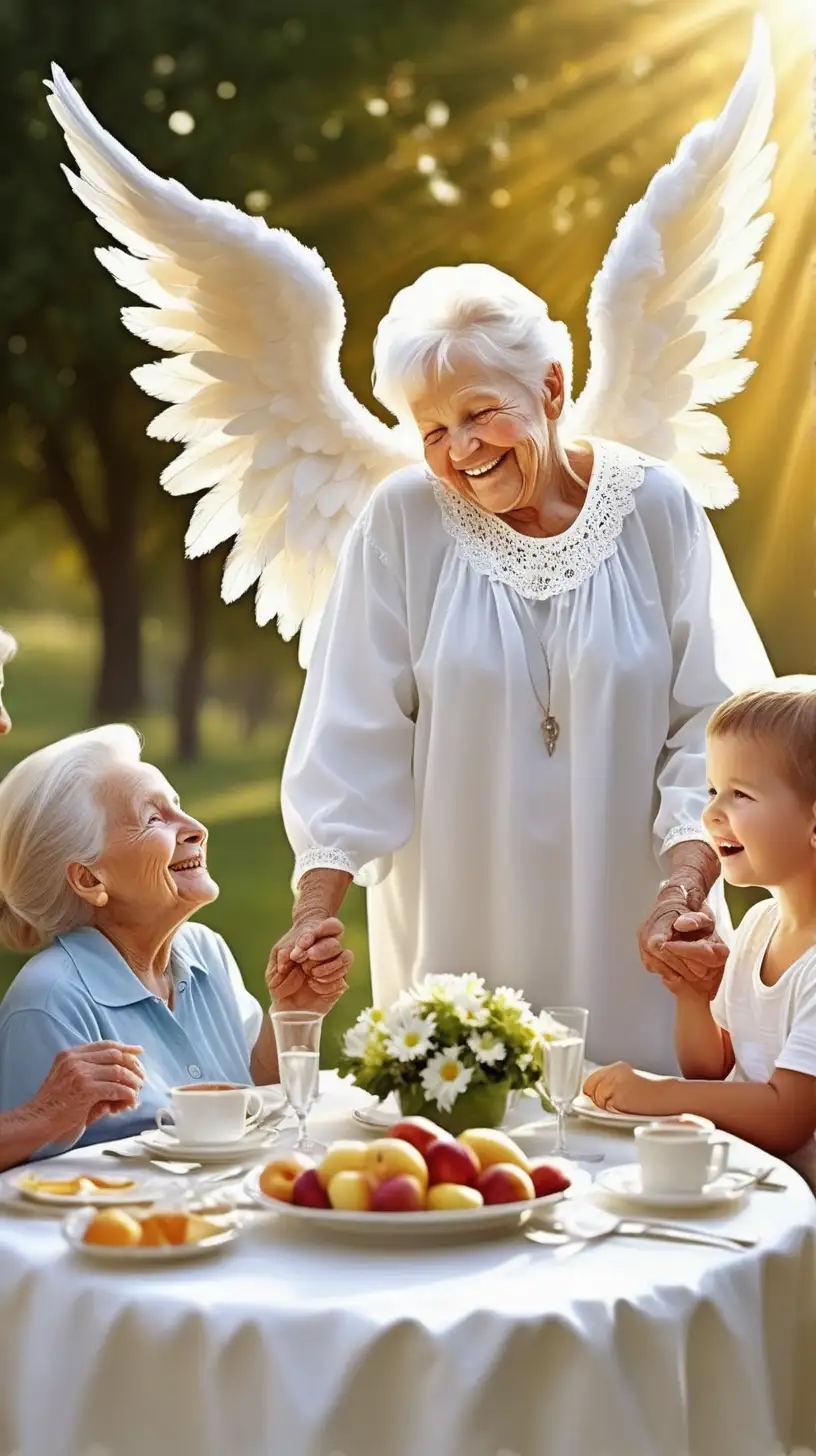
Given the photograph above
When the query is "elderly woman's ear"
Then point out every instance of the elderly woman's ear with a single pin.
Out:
(87, 886)
(553, 392)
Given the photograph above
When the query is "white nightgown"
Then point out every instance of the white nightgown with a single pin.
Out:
(418, 764)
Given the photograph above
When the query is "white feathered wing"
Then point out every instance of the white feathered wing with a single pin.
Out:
(253, 323)
(663, 344)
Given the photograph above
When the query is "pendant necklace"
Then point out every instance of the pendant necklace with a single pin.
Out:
(550, 726)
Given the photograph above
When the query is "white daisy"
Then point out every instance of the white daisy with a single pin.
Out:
(369, 1024)
(506, 999)
(444, 1078)
(549, 1029)
(410, 1036)
(523, 1061)
(487, 1048)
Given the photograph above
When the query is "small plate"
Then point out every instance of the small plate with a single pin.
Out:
(584, 1107)
(163, 1144)
(623, 1182)
(140, 1192)
(74, 1226)
(393, 1227)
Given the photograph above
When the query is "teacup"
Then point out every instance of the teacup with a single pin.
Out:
(679, 1155)
(210, 1112)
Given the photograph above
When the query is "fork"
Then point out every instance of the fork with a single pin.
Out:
(602, 1226)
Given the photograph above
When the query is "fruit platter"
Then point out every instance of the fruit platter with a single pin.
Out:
(419, 1179)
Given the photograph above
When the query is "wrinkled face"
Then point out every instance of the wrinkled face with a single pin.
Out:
(155, 861)
(5, 720)
(760, 827)
(485, 435)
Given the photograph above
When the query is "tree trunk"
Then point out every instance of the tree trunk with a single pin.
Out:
(119, 689)
(190, 687)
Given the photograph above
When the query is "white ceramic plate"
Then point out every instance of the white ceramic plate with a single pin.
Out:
(163, 1144)
(390, 1227)
(74, 1226)
(142, 1192)
(624, 1183)
(583, 1106)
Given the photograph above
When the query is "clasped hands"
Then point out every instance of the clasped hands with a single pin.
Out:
(308, 967)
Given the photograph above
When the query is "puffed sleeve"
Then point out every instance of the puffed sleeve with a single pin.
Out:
(347, 794)
(716, 652)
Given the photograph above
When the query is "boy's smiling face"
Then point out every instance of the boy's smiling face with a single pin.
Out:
(762, 829)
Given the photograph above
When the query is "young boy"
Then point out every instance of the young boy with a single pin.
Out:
(749, 1055)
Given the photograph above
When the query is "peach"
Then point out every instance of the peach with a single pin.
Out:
(350, 1191)
(342, 1157)
(113, 1227)
(401, 1194)
(505, 1183)
(445, 1196)
(389, 1157)
(492, 1146)
(278, 1177)
(420, 1132)
(308, 1191)
(547, 1178)
(451, 1162)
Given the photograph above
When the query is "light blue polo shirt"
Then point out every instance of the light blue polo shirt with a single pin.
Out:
(80, 989)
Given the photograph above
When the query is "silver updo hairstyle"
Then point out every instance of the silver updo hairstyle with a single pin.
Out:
(472, 310)
(51, 815)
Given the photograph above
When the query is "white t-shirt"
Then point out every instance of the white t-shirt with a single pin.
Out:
(769, 1026)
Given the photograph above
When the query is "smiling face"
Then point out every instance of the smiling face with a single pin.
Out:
(761, 828)
(486, 435)
(154, 865)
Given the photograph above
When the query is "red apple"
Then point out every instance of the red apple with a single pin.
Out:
(505, 1183)
(547, 1178)
(309, 1192)
(401, 1194)
(451, 1162)
(420, 1132)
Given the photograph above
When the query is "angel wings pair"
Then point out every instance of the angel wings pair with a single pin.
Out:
(252, 321)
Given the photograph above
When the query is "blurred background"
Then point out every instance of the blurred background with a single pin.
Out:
(392, 137)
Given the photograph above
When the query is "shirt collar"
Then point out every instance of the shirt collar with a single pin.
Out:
(105, 973)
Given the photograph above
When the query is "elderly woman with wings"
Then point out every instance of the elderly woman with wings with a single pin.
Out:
(517, 615)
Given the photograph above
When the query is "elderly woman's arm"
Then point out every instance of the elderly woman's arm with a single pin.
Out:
(84, 1083)
(347, 795)
(717, 651)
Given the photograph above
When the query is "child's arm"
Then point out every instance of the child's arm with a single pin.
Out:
(702, 1047)
(779, 1115)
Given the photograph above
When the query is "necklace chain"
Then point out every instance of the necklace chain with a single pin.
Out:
(550, 726)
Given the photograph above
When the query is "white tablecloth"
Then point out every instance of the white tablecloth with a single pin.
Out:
(289, 1345)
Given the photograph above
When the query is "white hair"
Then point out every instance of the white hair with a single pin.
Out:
(8, 647)
(471, 309)
(51, 815)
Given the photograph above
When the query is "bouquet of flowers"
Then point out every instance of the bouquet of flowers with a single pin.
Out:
(446, 1040)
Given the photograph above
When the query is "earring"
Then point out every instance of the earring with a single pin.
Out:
(101, 899)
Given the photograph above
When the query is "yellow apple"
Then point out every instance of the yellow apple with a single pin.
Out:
(388, 1157)
(445, 1196)
(351, 1191)
(342, 1157)
(492, 1146)
(279, 1177)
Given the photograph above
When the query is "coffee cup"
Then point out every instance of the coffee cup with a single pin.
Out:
(680, 1155)
(210, 1112)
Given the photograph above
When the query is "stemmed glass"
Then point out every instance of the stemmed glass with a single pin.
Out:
(297, 1038)
(565, 1066)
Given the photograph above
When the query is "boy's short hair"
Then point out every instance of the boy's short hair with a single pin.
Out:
(8, 647)
(784, 715)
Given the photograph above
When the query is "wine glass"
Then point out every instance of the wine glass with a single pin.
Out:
(297, 1038)
(565, 1066)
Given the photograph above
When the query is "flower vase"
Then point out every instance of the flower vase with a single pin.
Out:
(481, 1106)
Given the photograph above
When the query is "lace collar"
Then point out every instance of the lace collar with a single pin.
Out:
(542, 566)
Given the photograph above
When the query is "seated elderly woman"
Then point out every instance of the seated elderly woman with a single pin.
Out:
(101, 867)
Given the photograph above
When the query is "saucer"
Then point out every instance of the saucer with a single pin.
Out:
(623, 1182)
(74, 1226)
(164, 1144)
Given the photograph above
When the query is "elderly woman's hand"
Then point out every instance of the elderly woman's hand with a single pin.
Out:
(308, 966)
(84, 1084)
(679, 941)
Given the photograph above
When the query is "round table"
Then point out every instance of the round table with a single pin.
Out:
(291, 1345)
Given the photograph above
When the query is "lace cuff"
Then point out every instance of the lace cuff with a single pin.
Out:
(681, 833)
(321, 859)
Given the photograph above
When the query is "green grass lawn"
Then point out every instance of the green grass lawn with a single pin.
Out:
(234, 791)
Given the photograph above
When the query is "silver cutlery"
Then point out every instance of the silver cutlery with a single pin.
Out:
(760, 1178)
(590, 1225)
